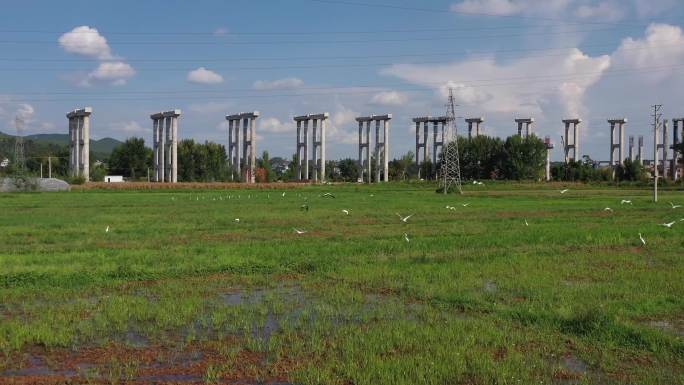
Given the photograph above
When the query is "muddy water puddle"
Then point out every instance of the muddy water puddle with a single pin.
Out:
(671, 327)
(183, 356)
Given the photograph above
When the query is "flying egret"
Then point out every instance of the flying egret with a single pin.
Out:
(625, 202)
(564, 191)
(465, 204)
(643, 241)
(406, 237)
(328, 195)
(608, 209)
(674, 206)
(404, 219)
(299, 232)
(345, 211)
(668, 225)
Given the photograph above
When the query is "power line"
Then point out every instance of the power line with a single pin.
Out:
(313, 42)
(484, 82)
(486, 54)
(290, 95)
(214, 34)
(462, 13)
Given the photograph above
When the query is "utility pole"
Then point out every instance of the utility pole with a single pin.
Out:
(656, 126)
(50, 167)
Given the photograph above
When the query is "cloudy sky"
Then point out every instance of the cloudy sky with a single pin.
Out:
(547, 59)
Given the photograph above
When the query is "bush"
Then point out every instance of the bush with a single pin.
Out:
(75, 180)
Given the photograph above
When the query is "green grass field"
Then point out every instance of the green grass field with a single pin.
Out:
(178, 291)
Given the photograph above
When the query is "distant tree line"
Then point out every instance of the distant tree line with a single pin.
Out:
(481, 157)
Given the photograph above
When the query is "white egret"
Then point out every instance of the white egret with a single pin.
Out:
(404, 219)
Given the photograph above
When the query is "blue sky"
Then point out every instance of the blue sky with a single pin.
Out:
(549, 59)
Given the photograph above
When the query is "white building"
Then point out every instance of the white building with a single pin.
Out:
(113, 179)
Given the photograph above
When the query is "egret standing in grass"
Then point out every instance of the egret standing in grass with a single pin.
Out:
(674, 206)
(406, 237)
(643, 241)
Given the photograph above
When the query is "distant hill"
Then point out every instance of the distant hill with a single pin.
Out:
(101, 148)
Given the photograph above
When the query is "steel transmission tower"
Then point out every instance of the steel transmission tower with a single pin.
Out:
(19, 157)
(451, 169)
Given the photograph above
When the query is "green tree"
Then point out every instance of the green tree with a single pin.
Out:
(205, 162)
(131, 159)
(289, 174)
(349, 171)
(265, 163)
(402, 168)
(523, 158)
(630, 171)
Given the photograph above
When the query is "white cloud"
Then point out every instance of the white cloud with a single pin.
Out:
(274, 125)
(650, 8)
(493, 7)
(221, 31)
(604, 11)
(204, 76)
(128, 127)
(210, 108)
(343, 127)
(389, 98)
(524, 86)
(86, 41)
(280, 84)
(510, 7)
(115, 73)
(25, 112)
(662, 46)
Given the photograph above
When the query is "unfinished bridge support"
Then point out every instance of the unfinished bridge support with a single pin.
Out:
(79, 142)
(242, 148)
(381, 150)
(165, 145)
